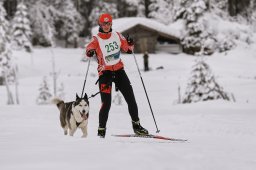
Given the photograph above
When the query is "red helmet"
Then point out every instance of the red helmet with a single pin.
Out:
(104, 18)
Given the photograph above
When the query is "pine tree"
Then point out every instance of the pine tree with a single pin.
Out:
(161, 10)
(21, 29)
(198, 37)
(44, 93)
(6, 64)
(202, 85)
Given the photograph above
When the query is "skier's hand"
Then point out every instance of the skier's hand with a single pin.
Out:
(91, 53)
(129, 40)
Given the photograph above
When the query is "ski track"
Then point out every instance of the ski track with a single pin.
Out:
(221, 135)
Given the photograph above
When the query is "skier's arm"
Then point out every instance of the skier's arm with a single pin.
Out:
(125, 45)
(91, 47)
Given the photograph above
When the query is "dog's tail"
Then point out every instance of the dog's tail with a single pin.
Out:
(58, 102)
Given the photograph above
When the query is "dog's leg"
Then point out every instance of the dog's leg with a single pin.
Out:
(72, 131)
(84, 130)
(72, 126)
(65, 130)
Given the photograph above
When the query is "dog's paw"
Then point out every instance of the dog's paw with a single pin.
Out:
(84, 136)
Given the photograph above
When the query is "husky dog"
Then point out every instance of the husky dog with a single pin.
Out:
(74, 114)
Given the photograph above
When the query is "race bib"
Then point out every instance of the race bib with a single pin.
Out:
(110, 49)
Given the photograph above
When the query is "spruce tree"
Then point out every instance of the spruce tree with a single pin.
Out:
(21, 29)
(202, 85)
(44, 93)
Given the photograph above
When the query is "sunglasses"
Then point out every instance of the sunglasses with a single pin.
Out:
(106, 24)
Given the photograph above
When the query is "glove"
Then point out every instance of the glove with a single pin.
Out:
(91, 53)
(129, 40)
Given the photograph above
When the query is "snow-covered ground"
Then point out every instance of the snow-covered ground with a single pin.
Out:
(221, 135)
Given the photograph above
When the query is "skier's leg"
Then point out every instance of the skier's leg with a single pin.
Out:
(124, 85)
(105, 86)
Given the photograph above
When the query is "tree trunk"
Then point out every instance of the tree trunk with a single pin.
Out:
(9, 93)
(75, 42)
(16, 86)
(54, 74)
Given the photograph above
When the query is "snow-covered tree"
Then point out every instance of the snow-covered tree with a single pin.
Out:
(161, 10)
(42, 20)
(45, 95)
(198, 38)
(68, 22)
(21, 29)
(84, 7)
(219, 7)
(61, 91)
(6, 64)
(202, 85)
(102, 7)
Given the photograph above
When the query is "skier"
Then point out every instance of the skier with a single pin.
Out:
(106, 46)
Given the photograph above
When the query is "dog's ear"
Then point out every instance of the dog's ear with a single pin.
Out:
(77, 97)
(85, 96)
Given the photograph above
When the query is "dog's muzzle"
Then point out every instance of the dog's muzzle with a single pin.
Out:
(85, 116)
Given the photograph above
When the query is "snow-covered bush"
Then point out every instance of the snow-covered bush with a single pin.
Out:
(202, 85)
(118, 99)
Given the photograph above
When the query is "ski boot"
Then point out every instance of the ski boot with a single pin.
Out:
(138, 129)
(101, 132)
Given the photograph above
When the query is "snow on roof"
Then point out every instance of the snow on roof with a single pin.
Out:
(123, 24)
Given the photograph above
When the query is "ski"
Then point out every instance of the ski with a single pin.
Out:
(151, 136)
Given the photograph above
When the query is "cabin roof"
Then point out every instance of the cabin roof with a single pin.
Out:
(124, 24)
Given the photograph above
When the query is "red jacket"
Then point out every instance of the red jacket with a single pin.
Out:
(103, 45)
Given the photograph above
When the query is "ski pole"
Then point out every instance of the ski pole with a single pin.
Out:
(157, 130)
(86, 76)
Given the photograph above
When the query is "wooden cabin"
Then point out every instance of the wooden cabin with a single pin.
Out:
(149, 35)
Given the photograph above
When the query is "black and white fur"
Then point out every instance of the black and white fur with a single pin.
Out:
(73, 115)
